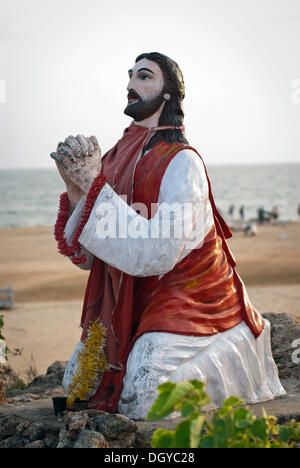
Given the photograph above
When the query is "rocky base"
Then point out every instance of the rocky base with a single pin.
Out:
(27, 418)
(284, 331)
(34, 425)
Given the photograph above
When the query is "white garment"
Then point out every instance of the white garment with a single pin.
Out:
(184, 182)
(229, 363)
(2, 352)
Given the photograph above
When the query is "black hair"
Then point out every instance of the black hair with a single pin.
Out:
(172, 113)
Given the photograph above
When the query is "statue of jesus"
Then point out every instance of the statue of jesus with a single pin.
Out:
(163, 286)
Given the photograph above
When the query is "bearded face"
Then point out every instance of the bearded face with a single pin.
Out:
(140, 109)
(145, 90)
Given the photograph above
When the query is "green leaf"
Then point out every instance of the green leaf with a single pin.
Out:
(223, 412)
(296, 430)
(285, 433)
(242, 418)
(179, 391)
(240, 442)
(163, 438)
(207, 441)
(259, 429)
(233, 402)
(170, 395)
(277, 444)
(155, 410)
(201, 400)
(182, 435)
(195, 431)
(223, 428)
(197, 384)
(166, 387)
(242, 424)
(187, 409)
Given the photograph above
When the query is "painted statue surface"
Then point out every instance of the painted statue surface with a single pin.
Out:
(164, 301)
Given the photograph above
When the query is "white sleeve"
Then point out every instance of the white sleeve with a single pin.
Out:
(121, 237)
(70, 228)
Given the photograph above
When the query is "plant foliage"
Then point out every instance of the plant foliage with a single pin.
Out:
(231, 426)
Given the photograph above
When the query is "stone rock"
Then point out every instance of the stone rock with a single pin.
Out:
(51, 439)
(43, 386)
(23, 426)
(76, 436)
(118, 430)
(63, 440)
(114, 425)
(36, 444)
(90, 439)
(17, 421)
(35, 431)
(123, 441)
(75, 421)
(284, 330)
(53, 377)
(12, 442)
(9, 378)
(146, 430)
(8, 425)
(58, 368)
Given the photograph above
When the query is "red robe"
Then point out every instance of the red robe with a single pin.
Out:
(202, 295)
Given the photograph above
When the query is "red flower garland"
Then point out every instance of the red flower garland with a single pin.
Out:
(63, 216)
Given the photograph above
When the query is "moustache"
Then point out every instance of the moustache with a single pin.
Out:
(133, 95)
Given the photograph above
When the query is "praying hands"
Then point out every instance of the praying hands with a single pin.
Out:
(79, 162)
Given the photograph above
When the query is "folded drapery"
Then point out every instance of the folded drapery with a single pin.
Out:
(230, 363)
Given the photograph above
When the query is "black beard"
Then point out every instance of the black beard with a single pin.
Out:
(143, 109)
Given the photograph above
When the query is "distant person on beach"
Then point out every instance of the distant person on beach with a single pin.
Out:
(275, 213)
(264, 216)
(158, 306)
(242, 212)
(261, 215)
(231, 210)
(299, 210)
(251, 229)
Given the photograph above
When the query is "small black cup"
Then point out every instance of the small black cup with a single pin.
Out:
(59, 406)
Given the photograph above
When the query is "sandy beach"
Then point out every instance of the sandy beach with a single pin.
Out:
(49, 289)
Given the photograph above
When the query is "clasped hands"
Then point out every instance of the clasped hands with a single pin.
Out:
(79, 162)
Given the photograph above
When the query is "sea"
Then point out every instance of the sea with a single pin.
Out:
(29, 197)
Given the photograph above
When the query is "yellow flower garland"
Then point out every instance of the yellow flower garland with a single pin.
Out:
(91, 363)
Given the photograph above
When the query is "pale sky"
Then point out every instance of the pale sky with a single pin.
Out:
(64, 63)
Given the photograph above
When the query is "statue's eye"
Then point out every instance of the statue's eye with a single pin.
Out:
(144, 77)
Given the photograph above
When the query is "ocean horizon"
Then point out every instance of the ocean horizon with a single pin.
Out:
(30, 196)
